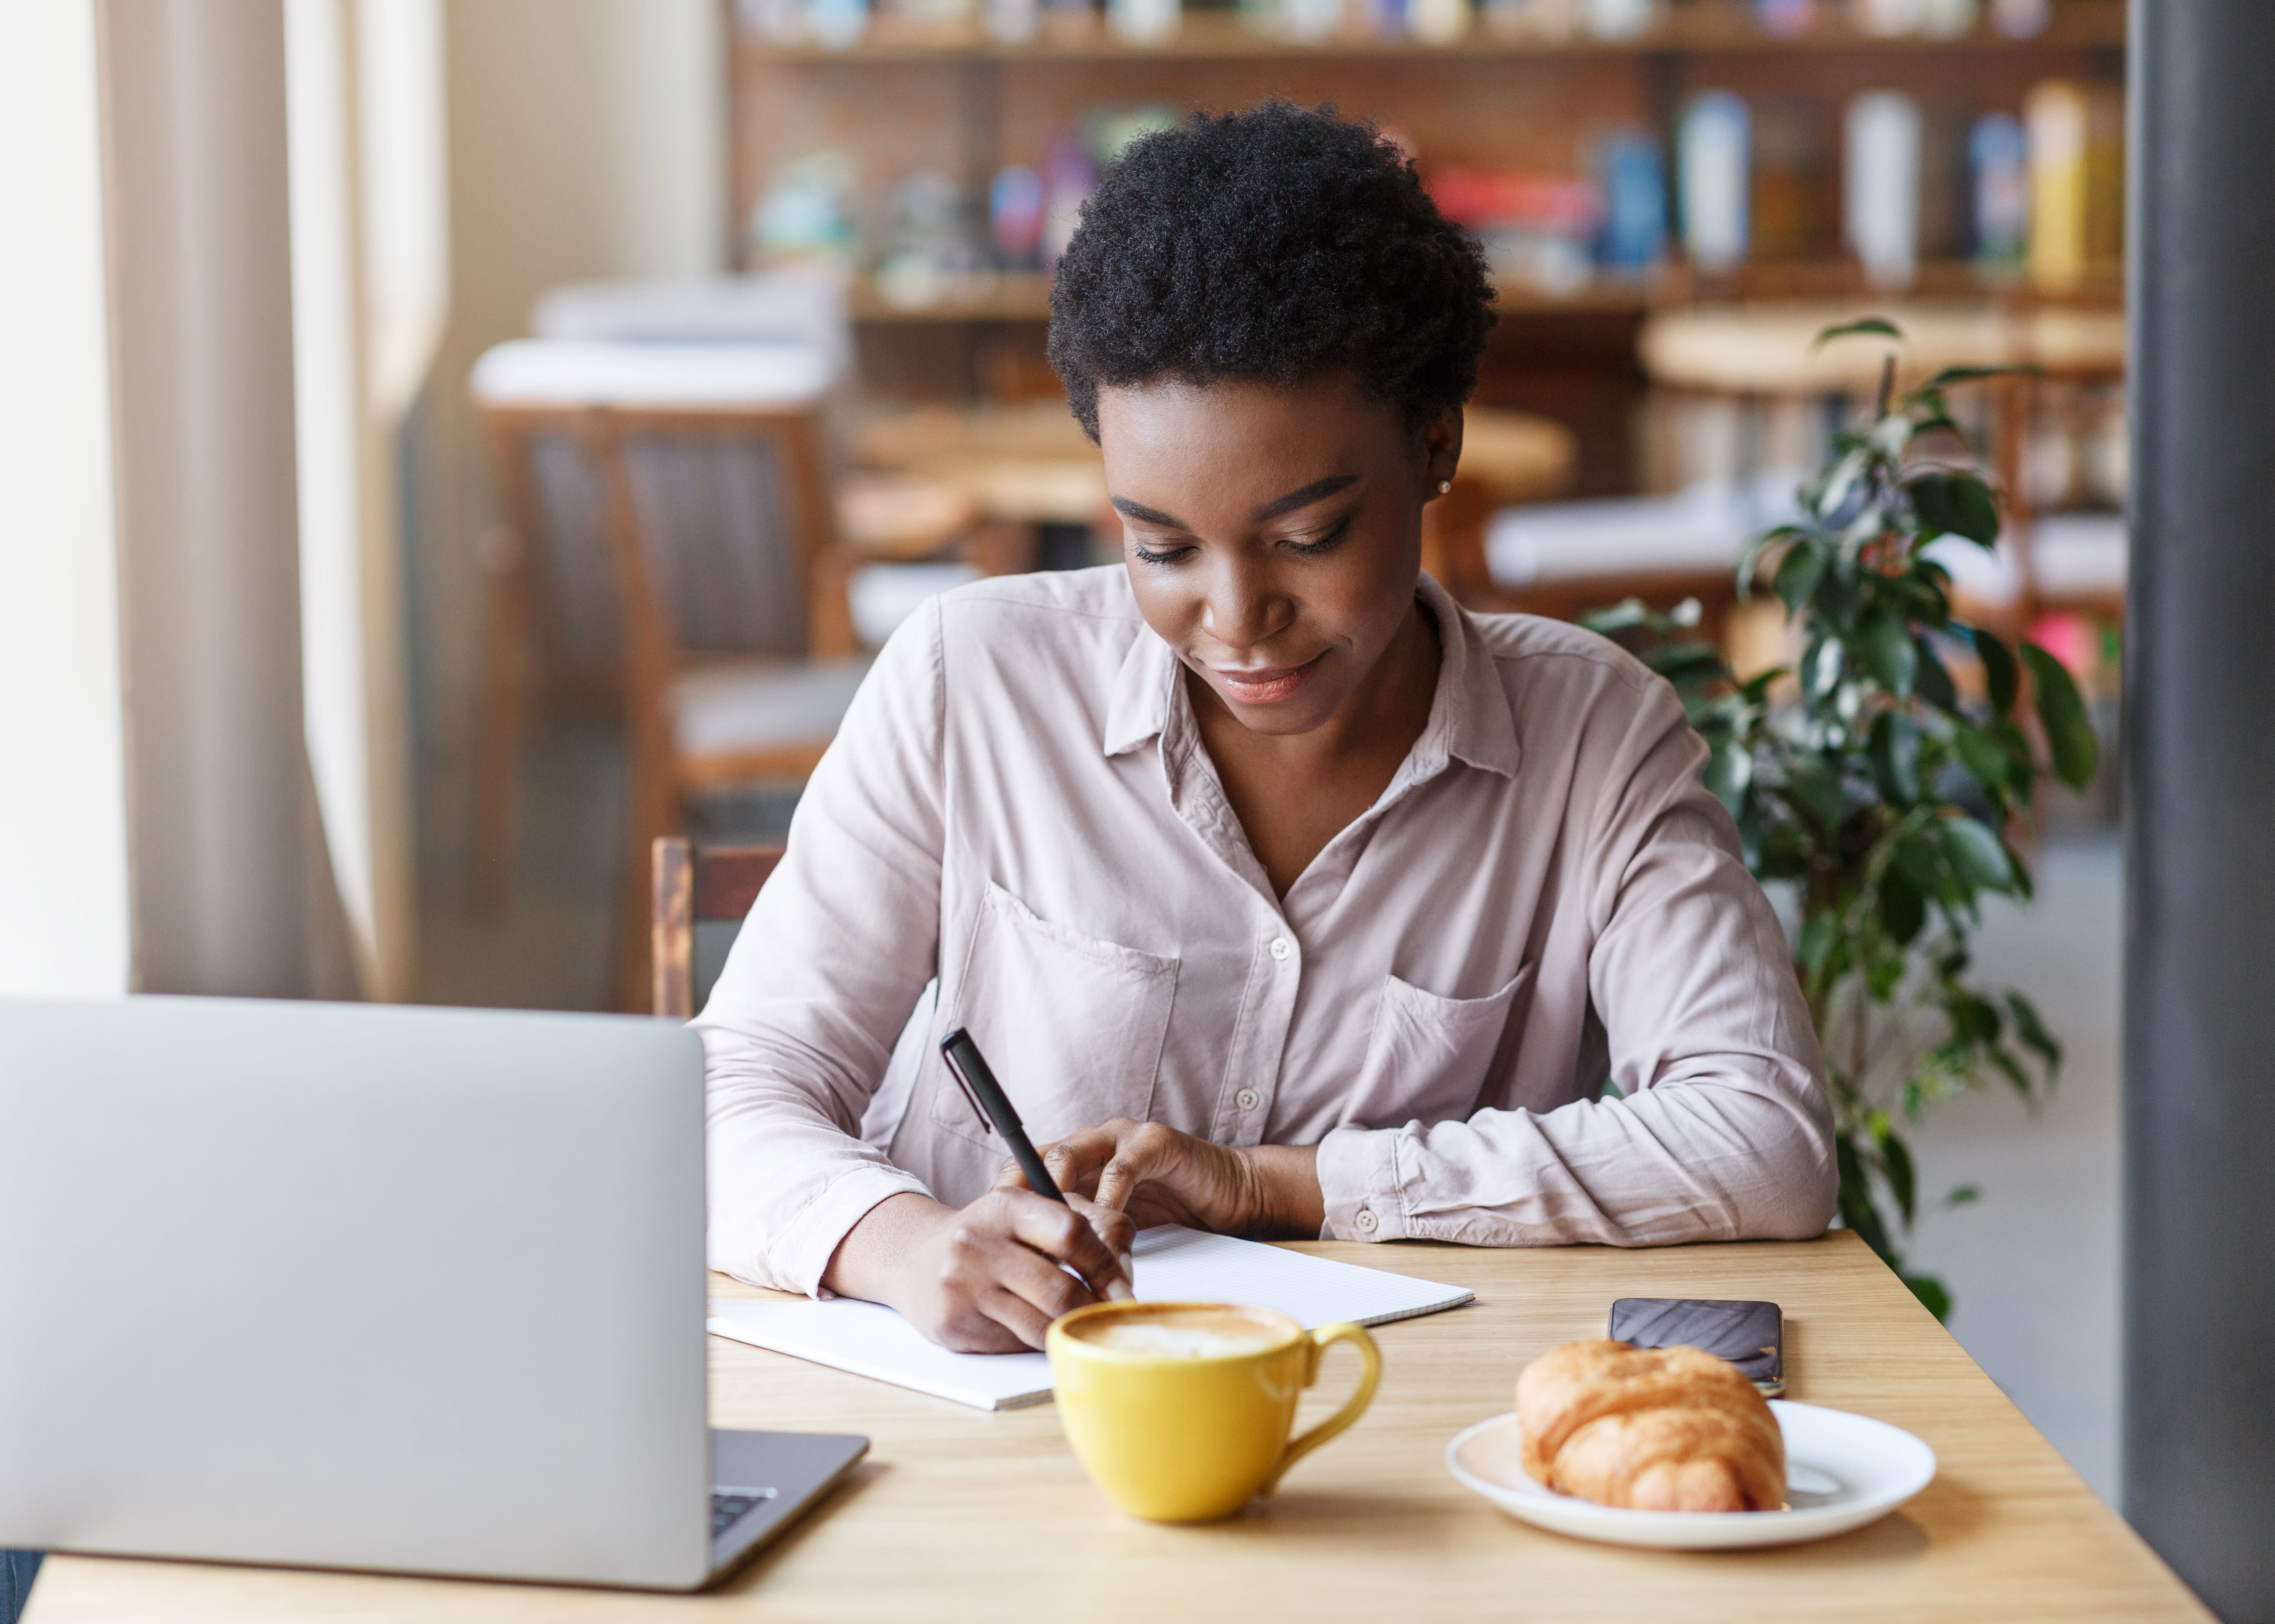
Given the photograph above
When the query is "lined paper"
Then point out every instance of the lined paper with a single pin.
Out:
(1174, 1265)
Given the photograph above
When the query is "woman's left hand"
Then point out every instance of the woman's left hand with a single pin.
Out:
(1159, 1175)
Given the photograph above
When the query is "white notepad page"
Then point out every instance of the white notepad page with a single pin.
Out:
(1174, 1265)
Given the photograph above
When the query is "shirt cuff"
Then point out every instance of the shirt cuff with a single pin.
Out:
(1359, 1184)
(801, 1254)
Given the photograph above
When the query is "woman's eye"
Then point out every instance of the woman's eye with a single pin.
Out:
(1166, 555)
(1319, 544)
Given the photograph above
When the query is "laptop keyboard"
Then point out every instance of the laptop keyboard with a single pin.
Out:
(730, 1506)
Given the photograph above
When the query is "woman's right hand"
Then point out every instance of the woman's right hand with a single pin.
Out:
(986, 1279)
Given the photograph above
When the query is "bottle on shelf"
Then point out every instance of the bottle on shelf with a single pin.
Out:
(1437, 22)
(1998, 154)
(2021, 19)
(1714, 163)
(1882, 189)
(2053, 120)
(1013, 22)
(1621, 19)
(1014, 217)
(1886, 18)
(1144, 22)
(836, 24)
(1632, 179)
(1788, 19)
(1533, 19)
(1948, 20)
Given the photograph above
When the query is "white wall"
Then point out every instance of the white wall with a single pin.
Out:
(63, 890)
(587, 141)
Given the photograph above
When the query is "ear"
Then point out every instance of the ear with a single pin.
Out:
(1440, 450)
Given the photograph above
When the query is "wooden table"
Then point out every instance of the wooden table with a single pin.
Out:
(959, 1514)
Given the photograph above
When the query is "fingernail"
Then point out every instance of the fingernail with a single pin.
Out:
(1128, 1268)
(1118, 1291)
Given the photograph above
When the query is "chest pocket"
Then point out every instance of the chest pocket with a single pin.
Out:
(1428, 1058)
(1072, 1026)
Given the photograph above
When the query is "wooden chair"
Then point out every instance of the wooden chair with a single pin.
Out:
(690, 884)
(734, 656)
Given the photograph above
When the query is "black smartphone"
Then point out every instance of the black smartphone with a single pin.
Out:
(1751, 1335)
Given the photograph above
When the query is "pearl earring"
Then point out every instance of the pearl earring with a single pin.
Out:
(1444, 486)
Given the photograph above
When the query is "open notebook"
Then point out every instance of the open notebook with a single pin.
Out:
(1174, 1265)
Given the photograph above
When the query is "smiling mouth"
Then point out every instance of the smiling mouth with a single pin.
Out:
(1267, 685)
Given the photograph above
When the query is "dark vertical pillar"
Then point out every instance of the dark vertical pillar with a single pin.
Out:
(2200, 842)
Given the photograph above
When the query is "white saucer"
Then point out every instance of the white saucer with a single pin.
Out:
(1842, 1471)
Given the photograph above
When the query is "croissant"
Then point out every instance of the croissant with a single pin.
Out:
(1659, 1428)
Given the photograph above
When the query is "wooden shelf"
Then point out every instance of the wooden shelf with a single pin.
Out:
(1024, 297)
(1214, 36)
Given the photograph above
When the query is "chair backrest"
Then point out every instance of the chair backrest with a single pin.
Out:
(693, 884)
(684, 480)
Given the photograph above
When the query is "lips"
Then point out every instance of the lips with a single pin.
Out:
(1265, 685)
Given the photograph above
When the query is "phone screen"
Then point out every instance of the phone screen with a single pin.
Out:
(1751, 1335)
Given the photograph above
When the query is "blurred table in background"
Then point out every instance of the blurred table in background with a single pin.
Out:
(1765, 358)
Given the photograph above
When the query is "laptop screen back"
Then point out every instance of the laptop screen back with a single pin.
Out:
(356, 1287)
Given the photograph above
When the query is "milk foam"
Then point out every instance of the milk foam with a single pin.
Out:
(1182, 1339)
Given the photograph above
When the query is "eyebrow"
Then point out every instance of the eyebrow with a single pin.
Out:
(1315, 491)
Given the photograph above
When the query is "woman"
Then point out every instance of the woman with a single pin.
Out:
(1285, 896)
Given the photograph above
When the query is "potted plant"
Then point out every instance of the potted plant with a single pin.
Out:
(1880, 791)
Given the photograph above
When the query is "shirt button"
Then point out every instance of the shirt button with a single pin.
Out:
(1247, 1100)
(1365, 1221)
(1280, 949)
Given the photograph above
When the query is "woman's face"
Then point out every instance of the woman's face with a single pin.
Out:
(1272, 534)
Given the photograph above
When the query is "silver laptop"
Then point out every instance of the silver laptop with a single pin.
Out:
(342, 1286)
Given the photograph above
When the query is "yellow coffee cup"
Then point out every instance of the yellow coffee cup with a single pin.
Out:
(1182, 1411)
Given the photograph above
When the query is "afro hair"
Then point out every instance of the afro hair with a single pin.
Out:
(1278, 245)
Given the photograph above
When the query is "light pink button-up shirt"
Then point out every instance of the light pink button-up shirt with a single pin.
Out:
(1545, 898)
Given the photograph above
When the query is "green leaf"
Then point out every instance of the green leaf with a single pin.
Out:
(1998, 670)
(1916, 861)
(1816, 938)
(1933, 682)
(2069, 731)
(1729, 769)
(1625, 615)
(2033, 1033)
(1903, 910)
(1681, 662)
(1885, 643)
(1976, 856)
(1820, 668)
(1933, 1295)
(1950, 375)
(1814, 785)
(1955, 504)
(1896, 1163)
(1857, 1209)
(1872, 326)
(1962, 1194)
(1798, 573)
(1750, 559)
(1895, 751)
(1992, 767)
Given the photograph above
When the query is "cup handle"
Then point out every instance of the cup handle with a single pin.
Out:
(1369, 1378)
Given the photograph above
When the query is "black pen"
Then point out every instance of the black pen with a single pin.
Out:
(970, 1068)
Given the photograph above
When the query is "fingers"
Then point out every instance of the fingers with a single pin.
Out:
(1073, 1162)
(1119, 1233)
(1063, 1235)
(1136, 1159)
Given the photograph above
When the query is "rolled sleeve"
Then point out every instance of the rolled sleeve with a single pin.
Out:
(799, 1030)
(1717, 1126)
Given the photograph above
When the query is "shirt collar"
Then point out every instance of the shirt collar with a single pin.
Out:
(1469, 717)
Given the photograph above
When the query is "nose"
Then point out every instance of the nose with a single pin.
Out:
(1241, 607)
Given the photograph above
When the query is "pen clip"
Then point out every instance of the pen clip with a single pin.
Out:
(955, 1070)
